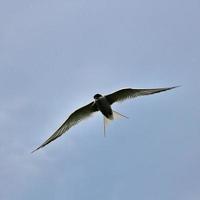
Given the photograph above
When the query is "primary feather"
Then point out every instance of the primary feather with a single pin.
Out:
(77, 116)
(127, 93)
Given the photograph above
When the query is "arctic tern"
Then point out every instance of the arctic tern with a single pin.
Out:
(103, 104)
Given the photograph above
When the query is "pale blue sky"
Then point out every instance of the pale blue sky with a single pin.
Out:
(55, 55)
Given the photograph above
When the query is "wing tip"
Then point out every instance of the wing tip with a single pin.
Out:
(36, 149)
(177, 86)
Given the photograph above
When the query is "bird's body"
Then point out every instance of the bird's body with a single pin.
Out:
(103, 104)
(104, 107)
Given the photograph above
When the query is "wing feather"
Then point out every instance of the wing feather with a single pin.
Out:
(127, 93)
(77, 116)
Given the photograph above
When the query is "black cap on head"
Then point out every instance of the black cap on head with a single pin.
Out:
(96, 96)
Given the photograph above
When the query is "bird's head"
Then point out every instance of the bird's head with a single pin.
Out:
(97, 96)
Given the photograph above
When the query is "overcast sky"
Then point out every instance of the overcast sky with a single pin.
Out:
(55, 55)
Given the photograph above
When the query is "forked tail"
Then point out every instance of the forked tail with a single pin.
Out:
(106, 121)
(117, 115)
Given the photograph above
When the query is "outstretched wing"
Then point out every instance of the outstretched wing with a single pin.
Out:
(72, 120)
(124, 94)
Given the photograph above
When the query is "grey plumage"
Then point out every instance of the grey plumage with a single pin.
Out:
(103, 104)
(127, 93)
(72, 120)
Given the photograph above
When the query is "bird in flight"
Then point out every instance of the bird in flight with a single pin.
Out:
(103, 104)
